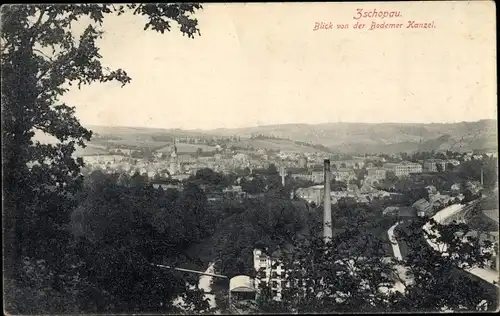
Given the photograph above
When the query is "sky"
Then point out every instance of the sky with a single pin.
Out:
(259, 64)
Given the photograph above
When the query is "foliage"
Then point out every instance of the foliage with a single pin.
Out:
(41, 59)
(338, 277)
(334, 276)
(471, 170)
(391, 176)
(254, 185)
(207, 176)
(123, 229)
(292, 184)
(439, 282)
(268, 221)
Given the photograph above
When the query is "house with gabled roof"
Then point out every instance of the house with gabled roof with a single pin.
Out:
(423, 207)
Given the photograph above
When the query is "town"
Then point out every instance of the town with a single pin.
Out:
(208, 159)
(396, 187)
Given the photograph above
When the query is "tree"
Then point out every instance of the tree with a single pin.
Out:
(292, 184)
(41, 59)
(391, 177)
(361, 173)
(349, 273)
(338, 185)
(438, 279)
(439, 167)
(271, 170)
(253, 186)
(343, 275)
(209, 177)
(405, 156)
(124, 229)
(450, 167)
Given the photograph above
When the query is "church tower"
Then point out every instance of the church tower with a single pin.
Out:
(282, 173)
(174, 161)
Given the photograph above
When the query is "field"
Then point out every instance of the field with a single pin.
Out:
(131, 143)
(273, 144)
(89, 151)
(187, 148)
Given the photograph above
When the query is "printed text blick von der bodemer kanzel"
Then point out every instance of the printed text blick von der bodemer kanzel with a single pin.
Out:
(361, 14)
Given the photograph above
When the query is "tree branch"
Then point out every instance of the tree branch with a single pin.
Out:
(39, 51)
(36, 26)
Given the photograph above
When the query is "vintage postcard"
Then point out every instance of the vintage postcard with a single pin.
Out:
(249, 158)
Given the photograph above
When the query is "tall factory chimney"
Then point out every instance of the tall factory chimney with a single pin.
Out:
(327, 204)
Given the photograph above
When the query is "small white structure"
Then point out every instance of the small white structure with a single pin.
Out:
(241, 287)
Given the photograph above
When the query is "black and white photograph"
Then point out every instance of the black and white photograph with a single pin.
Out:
(249, 158)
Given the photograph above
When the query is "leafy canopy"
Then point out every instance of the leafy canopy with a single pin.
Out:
(41, 59)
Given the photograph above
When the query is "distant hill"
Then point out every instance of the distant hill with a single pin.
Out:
(143, 137)
(354, 138)
(383, 137)
(135, 132)
(184, 148)
(275, 144)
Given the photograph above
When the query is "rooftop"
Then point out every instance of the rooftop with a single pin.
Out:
(491, 214)
(343, 170)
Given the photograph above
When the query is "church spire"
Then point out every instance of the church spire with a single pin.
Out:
(174, 161)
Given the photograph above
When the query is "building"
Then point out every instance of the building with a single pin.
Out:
(431, 189)
(405, 213)
(311, 194)
(241, 288)
(423, 207)
(474, 187)
(268, 273)
(180, 177)
(439, 200)
(303, 162)
(302, 176)
(317, 176)
(369, 181)
(344, 174)
(174, 167)
(352, 188)
(391, 210)
(454, 162)
(103, 159)
(456, 187)
(404, 168)
(434, 165)
(352, 164)
(377, 173)
(234, 191)
(165, 186)
(240, 160)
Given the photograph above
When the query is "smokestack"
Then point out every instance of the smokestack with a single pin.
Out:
(482, 176)
(327, 206)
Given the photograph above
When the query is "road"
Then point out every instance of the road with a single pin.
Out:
(400, 269)
(394, 243)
